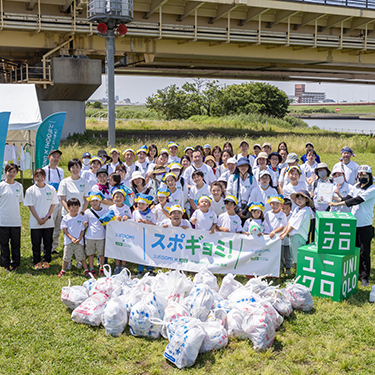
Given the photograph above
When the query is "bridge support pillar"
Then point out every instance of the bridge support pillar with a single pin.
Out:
(75, 80)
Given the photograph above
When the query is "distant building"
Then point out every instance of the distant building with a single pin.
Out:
(308, 97)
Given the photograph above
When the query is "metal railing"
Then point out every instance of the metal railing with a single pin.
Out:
(25, 73)
(360, 4)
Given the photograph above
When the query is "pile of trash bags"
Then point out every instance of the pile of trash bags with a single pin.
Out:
(195, 316)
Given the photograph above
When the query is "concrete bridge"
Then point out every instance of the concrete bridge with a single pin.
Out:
(51, 43)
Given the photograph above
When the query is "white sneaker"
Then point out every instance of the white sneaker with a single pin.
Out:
(79, 265)
(69, 266)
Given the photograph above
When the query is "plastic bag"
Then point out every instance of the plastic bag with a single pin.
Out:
(106, 284)
(114, 317)
(90, 311)
(131, 297)
(235, 319)
(281, 303)
(173, 311)
(73, 296)
(200, 301)
(299, 296)
(229, 285)
(242, 295)
(184, 346)
(90, 283)
(206, 277)
(216, 337)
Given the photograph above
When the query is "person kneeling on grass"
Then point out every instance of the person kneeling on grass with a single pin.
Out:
(176, 219)
(95, 235)
(299, 224)
(73, 227)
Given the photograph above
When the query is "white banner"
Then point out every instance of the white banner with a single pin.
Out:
(192, 250)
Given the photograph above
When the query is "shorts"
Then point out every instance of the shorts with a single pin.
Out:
(95, 246)
(75, 248)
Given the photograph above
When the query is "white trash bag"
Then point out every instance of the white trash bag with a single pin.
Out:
(172, 312)
(206, 277)
(90, 283)
(235, 319)
(114, 317)
(73, 296)
(200, 301)
(184, 345)
(216, 336)
(299, 296)
(106, 284)
(90, 311)
(229, 285)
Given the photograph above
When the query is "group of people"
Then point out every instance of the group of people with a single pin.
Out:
(213, 189)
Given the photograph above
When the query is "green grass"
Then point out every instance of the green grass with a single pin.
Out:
(344, 109)
(38, 337)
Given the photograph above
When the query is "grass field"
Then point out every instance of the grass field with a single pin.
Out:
(38, 337)
(344, 109)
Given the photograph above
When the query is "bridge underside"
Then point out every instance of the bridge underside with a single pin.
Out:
(244, 39)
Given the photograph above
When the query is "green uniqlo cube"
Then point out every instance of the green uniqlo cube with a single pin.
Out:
(328, 275)
(335, 232)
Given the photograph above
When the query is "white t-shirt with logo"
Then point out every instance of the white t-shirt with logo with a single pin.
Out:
(41, 199)
(232, 222)
(11, 195)
(364, 212)
(74, 225)
(184, 223)
(177, 198)
(149, 216)
(260, 195)
(218, 207)
(74, 189)
(95, 230)
(350, 171)
(208, 173)
(276, 220)
(264, 226)
(195, 193)
(121, 211)
(90, 177)
(159, 214)
(204, 220)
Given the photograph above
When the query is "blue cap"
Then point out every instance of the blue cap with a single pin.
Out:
(86, 155)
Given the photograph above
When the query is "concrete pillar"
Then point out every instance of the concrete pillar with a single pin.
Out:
(75, 80)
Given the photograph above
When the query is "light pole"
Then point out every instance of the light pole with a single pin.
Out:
(111, 15)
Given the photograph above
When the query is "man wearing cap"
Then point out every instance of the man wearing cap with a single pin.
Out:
(244, 148)
(142, 163)
(291, 160)
(267, 147)
(197, 164)
(349, 167)
(231, 167)
(309, 146)
(54, 175)
(115, 156)
(86, 161)
(362, 202)
(129, 156)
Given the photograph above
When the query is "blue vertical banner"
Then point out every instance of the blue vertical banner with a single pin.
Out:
(4, 122)
(48, 138)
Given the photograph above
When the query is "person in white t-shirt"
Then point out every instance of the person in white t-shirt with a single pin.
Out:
(294, 175)
(86, 161)
(161, 209)
(176, 219)
(11, 197)
(95, 234)
(217, 198)
(229, 221)
(291, 160)
(362, 201)
(349, 167)
(41, 200)
(141, 164)
(177, 196)
(343, 187)
(286, 257)
(90, 175)
(208, 173)
(298, 226)
(204, 218)
(173, 149)
(200, 188)
(54, 175)
(129, 156)
(276, 219)
(256, 218)
(115, 156)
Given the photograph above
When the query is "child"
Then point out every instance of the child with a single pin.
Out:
(264, 190)
(115, 183)
(256, 217)
(146, 216)
(200, 188)
(189, 152)
(294, 173)
(173, 148)
(229, 221)
(152, 154)
(176, 219)
(276, 219)
(309, 168)
(121, 170)
(73, 227)
(102, 186)
(217, 198)
(299, 224)
(204, 218)
(90, 175)
(286, 257)
(95, 234)
(161, 209)
(176, 197)
(122, 213)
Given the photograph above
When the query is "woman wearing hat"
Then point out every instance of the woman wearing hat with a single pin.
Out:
(343, 188)
(322, 172)
(240, 185)
(115, 156)
(139, 185)
(299, 224)
(362, 202)
(210, 161)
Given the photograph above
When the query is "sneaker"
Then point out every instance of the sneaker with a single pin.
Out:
(151, 273)
(140, 274)
(38, 266)
(61, 273)
(69, 266)
(54, 252)
(79, 265)
(364, 283)
(93, 273)
(288, 272)
(117, 270)
(87, 272)
(45, 265)
(101, 270)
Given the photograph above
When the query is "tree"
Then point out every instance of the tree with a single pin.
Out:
(97, 105)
